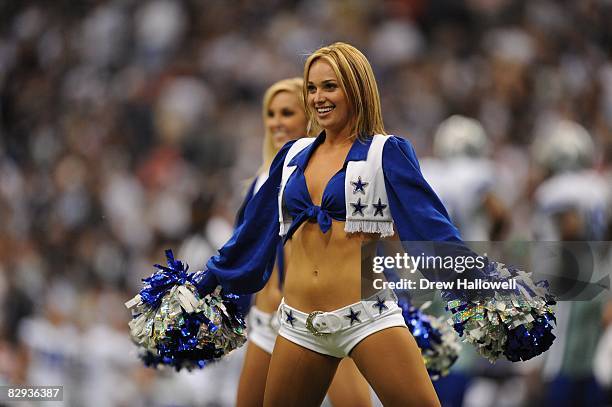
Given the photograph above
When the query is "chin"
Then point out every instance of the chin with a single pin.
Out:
(332, 126)
(326, 124)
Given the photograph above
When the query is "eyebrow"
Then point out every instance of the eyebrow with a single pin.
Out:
(324, 81)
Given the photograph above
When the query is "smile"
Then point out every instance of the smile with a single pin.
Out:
(324, 110)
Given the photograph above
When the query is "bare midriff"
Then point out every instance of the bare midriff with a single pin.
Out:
(324, 269)
(270, 296)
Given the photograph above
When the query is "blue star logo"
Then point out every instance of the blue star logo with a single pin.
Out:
(380, 304)
(379, 208)
(358, 207)
(353, 316)
(359, 186)
(290, 317)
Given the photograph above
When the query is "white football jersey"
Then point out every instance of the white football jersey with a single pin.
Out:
(461, 184)
(586, 192)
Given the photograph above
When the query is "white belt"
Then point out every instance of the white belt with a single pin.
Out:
(321, 323)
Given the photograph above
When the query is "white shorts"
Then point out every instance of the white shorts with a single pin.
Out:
(336, 333)
(263, 328)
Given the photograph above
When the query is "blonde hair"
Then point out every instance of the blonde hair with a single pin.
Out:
(291, 85)
(356, 78)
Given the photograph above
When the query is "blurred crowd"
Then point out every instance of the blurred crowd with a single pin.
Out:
(128, 127)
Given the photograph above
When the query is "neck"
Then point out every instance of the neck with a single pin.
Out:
(338, 138)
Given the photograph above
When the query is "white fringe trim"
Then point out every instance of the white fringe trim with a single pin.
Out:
(385, 229)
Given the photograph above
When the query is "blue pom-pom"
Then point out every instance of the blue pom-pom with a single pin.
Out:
(515, 323)
(524, 344)
(176, 327)
(439, 345)
(160, 283)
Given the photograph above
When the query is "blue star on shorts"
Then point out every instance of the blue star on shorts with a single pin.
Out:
(380, 304)
(353, 316)
(290, 317)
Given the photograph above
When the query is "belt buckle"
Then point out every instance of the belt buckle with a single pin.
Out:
(311, 328)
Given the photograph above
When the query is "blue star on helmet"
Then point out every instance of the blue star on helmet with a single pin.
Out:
(380, 304)
(290, 317)
(358, 207)
(379, 207)
(353, 316)
(359, 186)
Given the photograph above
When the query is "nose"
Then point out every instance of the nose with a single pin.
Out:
(318, 97)
(274, 121)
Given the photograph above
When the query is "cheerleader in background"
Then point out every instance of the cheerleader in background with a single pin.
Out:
(284, 120)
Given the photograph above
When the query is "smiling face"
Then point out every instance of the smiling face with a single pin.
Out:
(285, 119)
(326, 99)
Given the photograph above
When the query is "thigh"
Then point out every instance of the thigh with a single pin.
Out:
(298, 376)
(392, 363)
(253, 377)
(349, 388)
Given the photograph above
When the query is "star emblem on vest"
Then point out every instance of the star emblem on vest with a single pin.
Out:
(353, 316)
(380, 304)
(359, 186)
(358, 207)
(379, 208)
(290, 317)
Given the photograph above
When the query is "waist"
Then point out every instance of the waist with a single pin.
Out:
(320, 322)
(323, 269)
(268, 299)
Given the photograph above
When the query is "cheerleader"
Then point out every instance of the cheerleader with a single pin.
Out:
(322, 317)
(350, 185)
(285, 120)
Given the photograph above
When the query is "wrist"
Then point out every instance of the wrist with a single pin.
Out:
(206, 283)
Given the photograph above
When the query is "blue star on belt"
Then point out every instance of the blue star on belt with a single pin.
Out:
(290, 317)
(359, 186)
(380, 304)
(379, 208)
(353, 316)
(358, 207)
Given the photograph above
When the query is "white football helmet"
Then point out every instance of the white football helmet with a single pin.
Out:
(460, 136)
(563, 145)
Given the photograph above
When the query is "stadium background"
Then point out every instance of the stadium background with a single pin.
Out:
(127, 127)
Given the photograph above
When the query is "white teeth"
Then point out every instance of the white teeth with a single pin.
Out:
(324, 109)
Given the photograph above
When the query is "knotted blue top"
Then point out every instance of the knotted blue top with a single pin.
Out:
(245, 262)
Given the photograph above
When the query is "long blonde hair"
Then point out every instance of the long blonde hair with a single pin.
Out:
(291, 85)
(357, 80)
